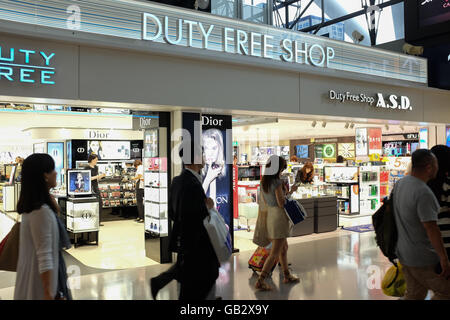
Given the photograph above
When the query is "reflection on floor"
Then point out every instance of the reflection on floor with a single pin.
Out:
(121, 246)
(335, 265)
(339, 267)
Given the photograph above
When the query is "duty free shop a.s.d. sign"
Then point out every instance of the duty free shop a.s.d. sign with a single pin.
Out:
(379, 100)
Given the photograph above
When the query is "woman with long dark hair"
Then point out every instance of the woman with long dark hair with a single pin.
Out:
(441, 189)
(278, 224)
(305, 174)
(41, 272)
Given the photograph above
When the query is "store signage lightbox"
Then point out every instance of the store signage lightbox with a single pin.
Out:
(375, 143)
(377, 101)
(361, 142)
(56, 151)
(236, 41)
(26, 66)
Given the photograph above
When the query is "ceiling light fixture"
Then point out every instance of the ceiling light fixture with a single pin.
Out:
(314, 123)
(352, 126)
(347, 125)
(324, 124)
(386, 126)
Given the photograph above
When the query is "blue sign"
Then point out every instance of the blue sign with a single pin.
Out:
(26, 66)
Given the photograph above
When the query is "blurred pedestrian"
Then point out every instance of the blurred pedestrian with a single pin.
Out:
(441, 189)
(278, 224)
(197, 266)
(420, 247)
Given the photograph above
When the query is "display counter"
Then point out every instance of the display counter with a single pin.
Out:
(321, 215)
(81, 217)
(306, 226)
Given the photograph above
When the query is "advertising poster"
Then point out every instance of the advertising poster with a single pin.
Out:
(347, 150)
(56, 151)
(318, 151)
(79, 182)
(217, 174)
(375, 144)
(361, 142)
(151, 143)
(302, 151)
(110, 150)
(69, 154)
(329, 151)
(423, 138)
(447, 135)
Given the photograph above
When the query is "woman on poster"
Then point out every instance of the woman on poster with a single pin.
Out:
(215, 167)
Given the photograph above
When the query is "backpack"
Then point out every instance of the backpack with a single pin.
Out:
(386, 233)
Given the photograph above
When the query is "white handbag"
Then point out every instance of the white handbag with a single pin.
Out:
(219, 235)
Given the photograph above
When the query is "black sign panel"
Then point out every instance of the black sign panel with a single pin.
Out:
(79, 151)
(433, 12)
(136, 149)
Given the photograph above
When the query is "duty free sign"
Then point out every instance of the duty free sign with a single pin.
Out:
(395, 102)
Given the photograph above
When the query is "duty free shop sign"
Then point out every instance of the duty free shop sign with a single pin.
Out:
(393, 101)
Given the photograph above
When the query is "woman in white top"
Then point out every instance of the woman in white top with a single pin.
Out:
(39, 244)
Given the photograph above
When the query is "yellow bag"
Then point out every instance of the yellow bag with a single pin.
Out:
(394, 283)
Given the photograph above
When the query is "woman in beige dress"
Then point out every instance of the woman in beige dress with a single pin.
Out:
(278, 224)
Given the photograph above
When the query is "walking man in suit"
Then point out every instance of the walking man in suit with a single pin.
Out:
(197, 266)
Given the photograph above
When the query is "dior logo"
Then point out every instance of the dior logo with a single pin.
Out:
(98, 135)
(145, 122)
(81, 150)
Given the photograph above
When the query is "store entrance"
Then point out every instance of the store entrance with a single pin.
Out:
(100, 201)
(343, 168)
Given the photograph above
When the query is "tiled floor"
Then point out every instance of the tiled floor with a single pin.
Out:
(336, 265)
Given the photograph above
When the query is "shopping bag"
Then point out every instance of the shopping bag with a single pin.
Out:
(219, 235)
(259, 257)
(394, 284)
(260, 235)
(295, 211)
(9, 249)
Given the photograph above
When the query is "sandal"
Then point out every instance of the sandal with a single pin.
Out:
(289, 278)
(261, 284)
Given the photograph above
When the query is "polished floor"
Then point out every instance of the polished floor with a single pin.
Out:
(339, 265)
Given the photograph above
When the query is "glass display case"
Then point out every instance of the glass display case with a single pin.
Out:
(369, 189)
(247, 201)
(156, 219)
(346, 180)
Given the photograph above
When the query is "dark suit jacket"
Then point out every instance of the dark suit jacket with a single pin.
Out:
(187, 209)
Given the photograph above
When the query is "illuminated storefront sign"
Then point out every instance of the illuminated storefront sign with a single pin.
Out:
(237, 41)
(26, 66)
(378, 101)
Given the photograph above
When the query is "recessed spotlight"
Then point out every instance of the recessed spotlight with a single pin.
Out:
(347, 125)
(386, 126)
(314, 123)
(324, 124)
(352, 126)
